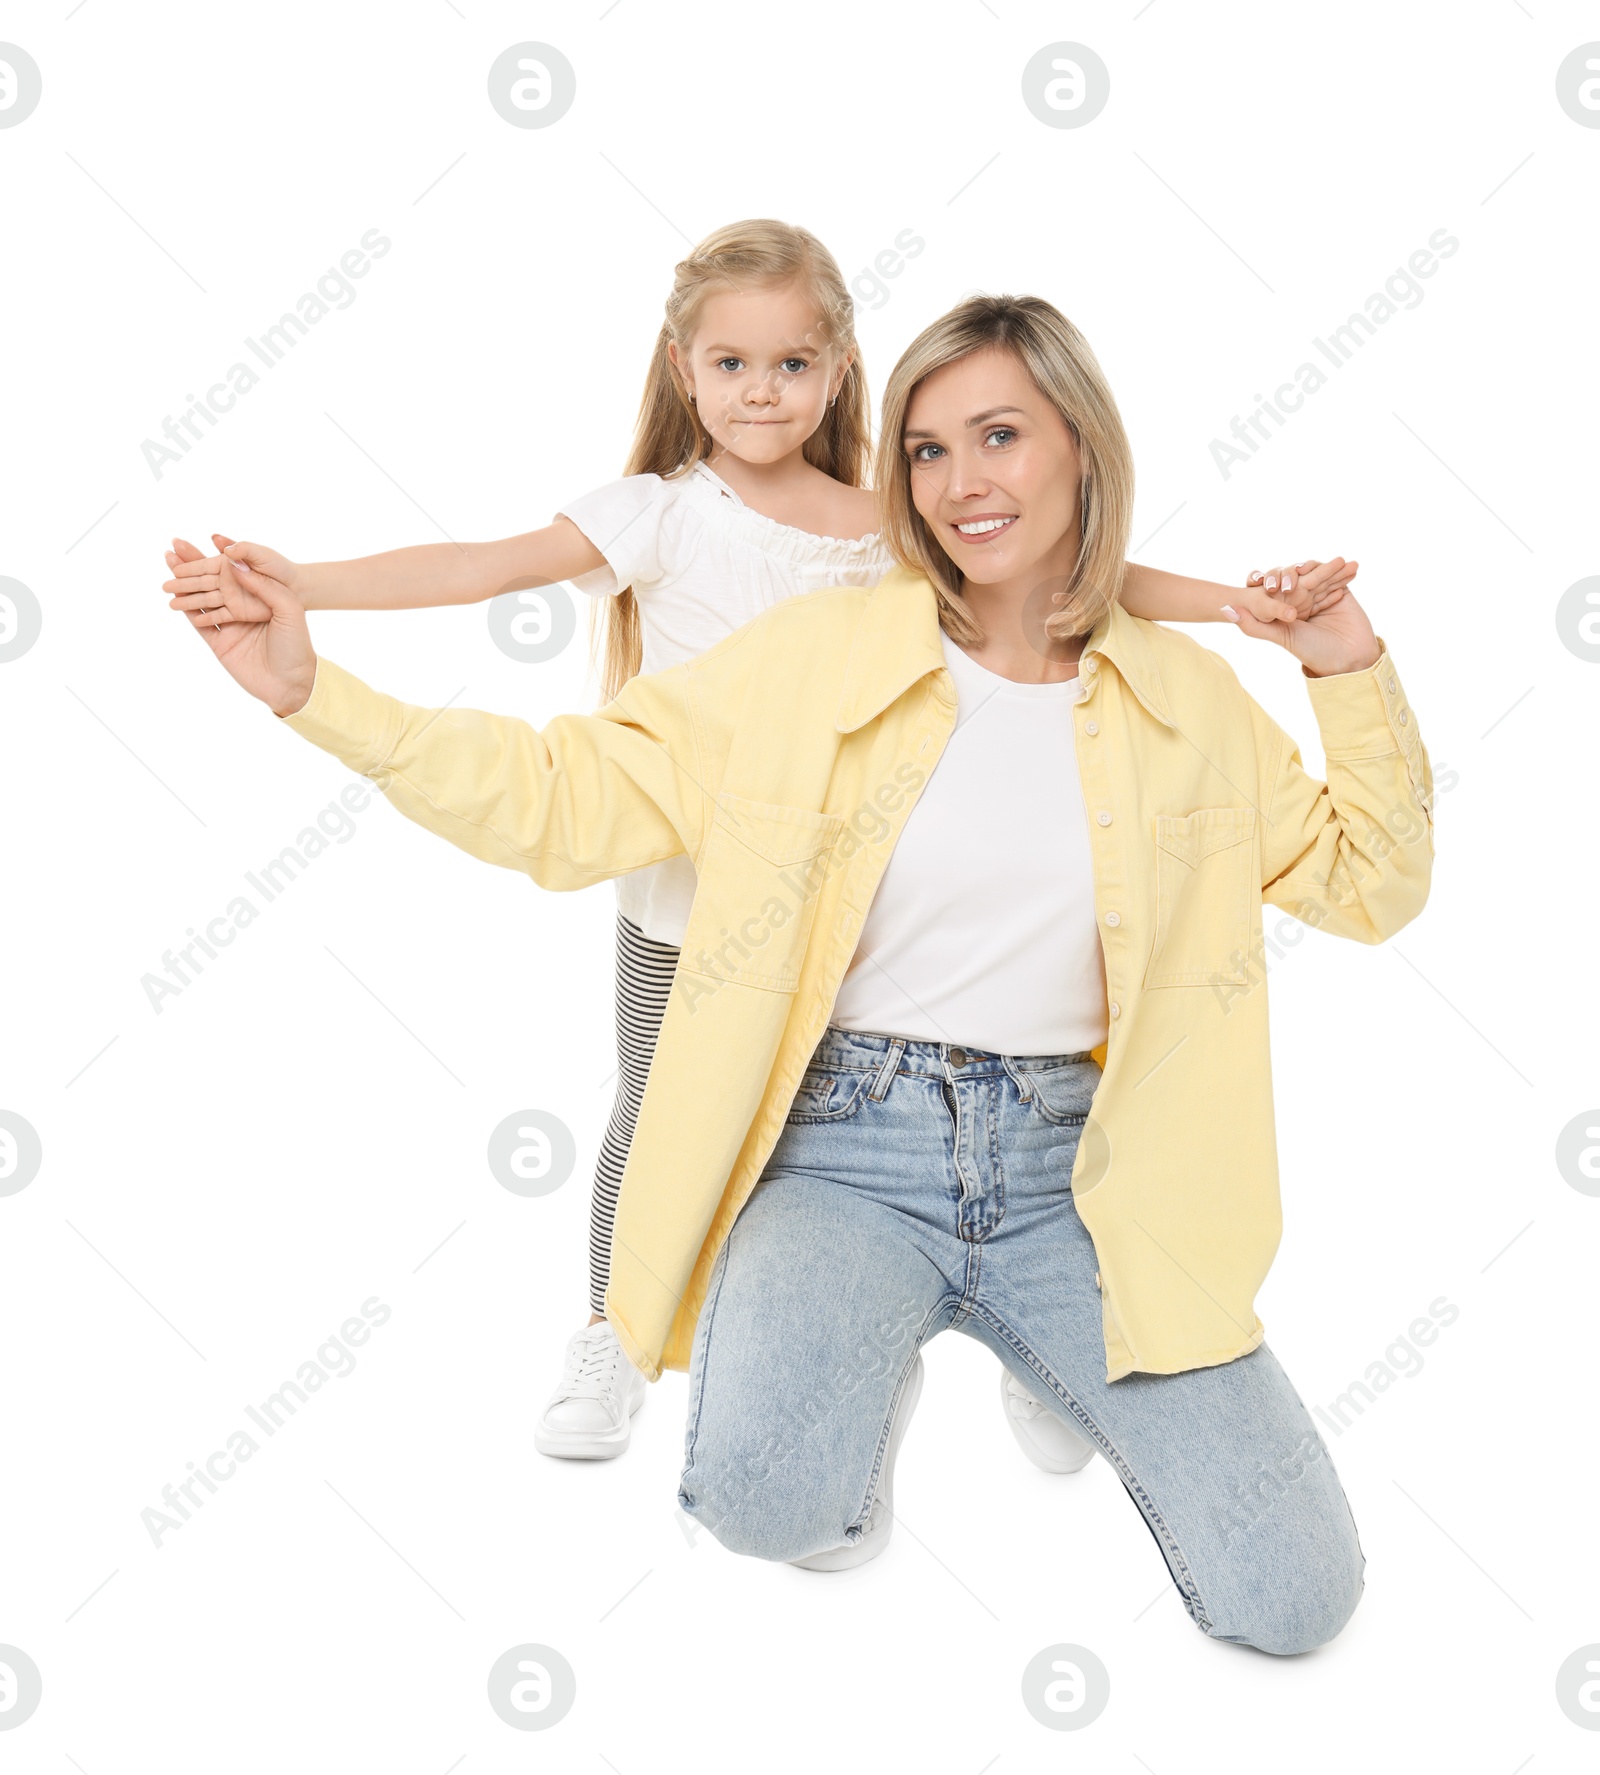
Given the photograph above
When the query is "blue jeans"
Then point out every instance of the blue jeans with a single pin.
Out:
(918, 1186)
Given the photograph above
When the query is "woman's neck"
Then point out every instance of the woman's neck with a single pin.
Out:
(1012, 614)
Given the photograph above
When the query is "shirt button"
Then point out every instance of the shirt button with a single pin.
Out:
(1116, 1009)
(1113, 918)
(958, 1056)
(1391, 684)
(1402, 717)
(1091, 727)
(1103, 817)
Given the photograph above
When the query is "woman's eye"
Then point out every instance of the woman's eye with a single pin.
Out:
(1004, 433)
(730, 364)
(921, 452)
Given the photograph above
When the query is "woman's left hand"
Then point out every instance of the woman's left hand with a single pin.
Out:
(1338, 638)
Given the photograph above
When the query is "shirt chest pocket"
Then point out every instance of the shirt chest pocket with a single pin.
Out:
(761, 873)
(1207, 890)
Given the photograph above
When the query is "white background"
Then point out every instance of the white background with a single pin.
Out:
(304, 1127)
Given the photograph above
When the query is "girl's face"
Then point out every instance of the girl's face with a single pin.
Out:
(760, 370)
(995, 470)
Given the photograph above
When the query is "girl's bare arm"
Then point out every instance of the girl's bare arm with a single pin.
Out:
(400, 579)
(1281, 594)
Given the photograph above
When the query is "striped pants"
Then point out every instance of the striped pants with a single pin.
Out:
(644, 980)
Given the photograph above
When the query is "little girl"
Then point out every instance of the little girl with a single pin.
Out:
(744, 487)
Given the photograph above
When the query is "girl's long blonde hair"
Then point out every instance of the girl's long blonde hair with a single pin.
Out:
(669, 438)
(1057, 356)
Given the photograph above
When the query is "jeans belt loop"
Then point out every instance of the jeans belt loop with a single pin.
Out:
(1018, 1078)
(885, 1073)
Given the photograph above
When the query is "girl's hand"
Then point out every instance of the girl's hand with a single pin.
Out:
(270, 656)
(198, 586)
(1337, 638)
(1289, 594)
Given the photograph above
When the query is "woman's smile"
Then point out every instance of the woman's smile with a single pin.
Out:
(985, 527)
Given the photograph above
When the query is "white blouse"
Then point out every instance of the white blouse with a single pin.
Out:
(701, 564)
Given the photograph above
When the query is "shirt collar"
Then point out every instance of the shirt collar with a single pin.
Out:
(897, 643)
(1125, 641)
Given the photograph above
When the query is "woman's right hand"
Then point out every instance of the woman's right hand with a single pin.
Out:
(197, 585)
(271, 656)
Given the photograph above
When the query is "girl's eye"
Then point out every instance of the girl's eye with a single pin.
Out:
(730, 364)
(792, 366)
(1005, 434)
(920, 453)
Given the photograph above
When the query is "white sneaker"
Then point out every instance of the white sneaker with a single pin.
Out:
(590, 1415)
(1045, 1439)
(880, 1519)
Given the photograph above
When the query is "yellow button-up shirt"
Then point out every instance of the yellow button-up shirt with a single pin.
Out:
(785, 761)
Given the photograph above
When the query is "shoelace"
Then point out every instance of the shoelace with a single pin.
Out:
(590, 1368)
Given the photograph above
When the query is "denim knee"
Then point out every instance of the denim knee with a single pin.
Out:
(1300, 1616)
(745, 1526)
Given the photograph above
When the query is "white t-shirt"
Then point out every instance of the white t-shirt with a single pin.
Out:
(701, 564)
(982, 931)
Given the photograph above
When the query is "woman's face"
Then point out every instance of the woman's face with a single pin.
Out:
(995, 470)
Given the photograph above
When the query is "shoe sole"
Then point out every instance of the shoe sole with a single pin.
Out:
(1028, 1447)
(587, 1445)
(872, 1543)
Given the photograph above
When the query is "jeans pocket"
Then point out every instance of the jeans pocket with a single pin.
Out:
(1063, 1095)
(828, 1096)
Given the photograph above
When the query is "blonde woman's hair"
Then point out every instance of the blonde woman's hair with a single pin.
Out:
(1057, 356)
(669, 438)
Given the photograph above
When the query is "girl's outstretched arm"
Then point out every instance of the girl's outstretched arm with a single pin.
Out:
(1281, 594)
(582, 799)
(399, 579)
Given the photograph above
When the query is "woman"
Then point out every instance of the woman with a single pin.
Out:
(746, 484)
(1016, 1082)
